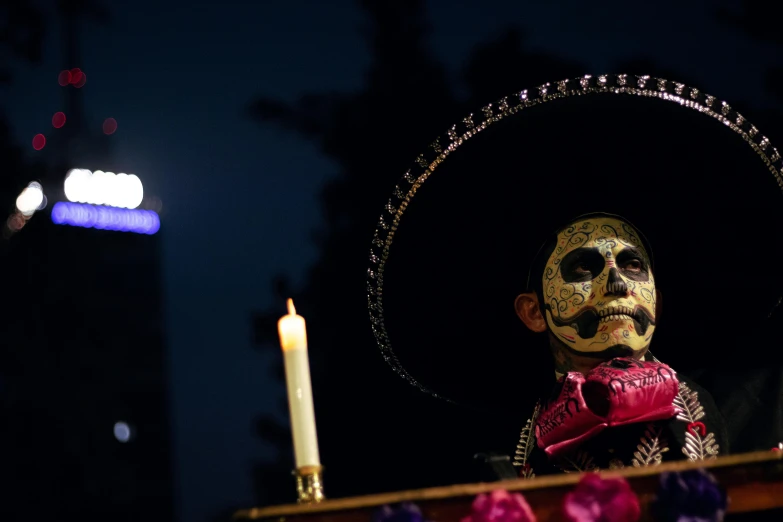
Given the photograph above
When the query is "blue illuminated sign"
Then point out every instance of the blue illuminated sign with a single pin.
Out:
(106, 218)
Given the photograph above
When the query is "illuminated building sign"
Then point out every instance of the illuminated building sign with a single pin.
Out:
(106, 218)
(103, 188)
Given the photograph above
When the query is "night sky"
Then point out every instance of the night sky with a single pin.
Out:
(239, 200)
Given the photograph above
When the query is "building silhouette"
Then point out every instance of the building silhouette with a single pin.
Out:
(85, 429)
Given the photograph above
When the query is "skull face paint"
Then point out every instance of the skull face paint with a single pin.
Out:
(599, 291)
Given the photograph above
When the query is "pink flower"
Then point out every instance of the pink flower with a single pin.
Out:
(500, 506)
(601, 500)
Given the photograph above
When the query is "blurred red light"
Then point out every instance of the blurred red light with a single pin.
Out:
(81, 82)
(39, 141)
(109, 126)
(64, 78)
(58, 120)
(76, 75)
(16, 222)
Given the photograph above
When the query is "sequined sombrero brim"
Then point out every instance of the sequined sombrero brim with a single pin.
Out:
(453, 244)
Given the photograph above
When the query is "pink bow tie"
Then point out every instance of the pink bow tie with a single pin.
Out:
(618, 392)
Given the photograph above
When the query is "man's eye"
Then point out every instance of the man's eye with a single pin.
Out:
(634, 265)
(582, 269)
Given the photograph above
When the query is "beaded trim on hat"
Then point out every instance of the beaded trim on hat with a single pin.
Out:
(458, 134)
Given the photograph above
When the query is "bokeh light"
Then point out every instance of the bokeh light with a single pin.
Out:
(64, 78)
(106, 218)
(154, 203)
(103, 188)
(81, 82)
(31, 199)
(76, 75)
(15, 222)
(122, 431)
(39, 141)
(109, 126)
(58, 120)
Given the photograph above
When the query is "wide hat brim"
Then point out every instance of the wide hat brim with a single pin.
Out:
(455, 242)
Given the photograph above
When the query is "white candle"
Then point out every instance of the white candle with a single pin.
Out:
(293, 340)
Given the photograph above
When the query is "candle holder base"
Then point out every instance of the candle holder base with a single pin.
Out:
(309, 484)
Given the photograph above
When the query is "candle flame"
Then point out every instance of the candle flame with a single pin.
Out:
(291, 309)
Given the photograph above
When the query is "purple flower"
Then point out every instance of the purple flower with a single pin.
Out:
(601, 500)
(689, 496)
(500, 506)
(405, 512)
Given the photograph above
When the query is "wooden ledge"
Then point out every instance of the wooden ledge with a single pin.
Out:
(754, 482)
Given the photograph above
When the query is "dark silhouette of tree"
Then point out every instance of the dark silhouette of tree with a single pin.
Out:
(372, 135)
(757, 21)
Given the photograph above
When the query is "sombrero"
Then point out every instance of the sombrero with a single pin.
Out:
(454, 244)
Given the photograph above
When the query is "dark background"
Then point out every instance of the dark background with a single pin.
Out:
(273, 134)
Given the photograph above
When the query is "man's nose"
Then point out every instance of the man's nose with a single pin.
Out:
(615, 286)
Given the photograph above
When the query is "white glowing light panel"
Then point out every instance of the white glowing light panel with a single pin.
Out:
(103, 188)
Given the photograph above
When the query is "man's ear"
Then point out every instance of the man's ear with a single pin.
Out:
(658, 305)
(528, 310)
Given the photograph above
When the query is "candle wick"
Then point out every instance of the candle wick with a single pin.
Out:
(291, 309)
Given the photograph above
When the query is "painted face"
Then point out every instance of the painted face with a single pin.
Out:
(599, 291)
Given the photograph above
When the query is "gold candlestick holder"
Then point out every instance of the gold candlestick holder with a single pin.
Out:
(309, 484)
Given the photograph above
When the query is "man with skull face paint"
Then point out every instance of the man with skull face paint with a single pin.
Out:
(592, 292)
